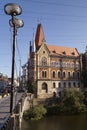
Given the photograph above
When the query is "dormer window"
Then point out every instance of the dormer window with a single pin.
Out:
(73, 53)
(64, 52)
(43, 52)
(54, 51)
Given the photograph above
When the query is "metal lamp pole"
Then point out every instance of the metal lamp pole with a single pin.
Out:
(13, 10)
(12, 73)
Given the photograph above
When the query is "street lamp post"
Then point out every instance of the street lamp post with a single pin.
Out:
(13, 10)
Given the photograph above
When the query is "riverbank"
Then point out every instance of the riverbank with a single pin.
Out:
(38, 112)
(72, 102)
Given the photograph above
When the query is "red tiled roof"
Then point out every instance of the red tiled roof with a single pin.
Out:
(54, 50)
(39, 38)
(64, 51)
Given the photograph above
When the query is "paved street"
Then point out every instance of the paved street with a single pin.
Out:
(5, 106)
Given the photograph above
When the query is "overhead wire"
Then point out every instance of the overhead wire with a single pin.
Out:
(18, 49)
(57, 14)
(19, 54)
(55, 3)
(11, 41)
(66, 17)
(51, 19)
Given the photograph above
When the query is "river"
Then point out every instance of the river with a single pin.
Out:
(75, 122)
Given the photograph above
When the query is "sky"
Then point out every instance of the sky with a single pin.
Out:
(64, 23)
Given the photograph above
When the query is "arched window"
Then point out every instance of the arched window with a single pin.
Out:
(44, 74)
(59, 74)
(64, 85)
(44, 61)
(53, 74)
(54, 85)
(68, 74)
(78, 75)
(69, 85)
(59, 85)
(44, 87)
(74, 84)
(64, 75)
(73, 74)
(78, 84)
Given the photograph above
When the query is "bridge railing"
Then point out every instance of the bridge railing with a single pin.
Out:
(13, 120)
(5, 122)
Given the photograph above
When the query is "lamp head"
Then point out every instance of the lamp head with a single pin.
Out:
(12, 9)
(17, 22)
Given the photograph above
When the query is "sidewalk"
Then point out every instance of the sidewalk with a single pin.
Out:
(5, 107)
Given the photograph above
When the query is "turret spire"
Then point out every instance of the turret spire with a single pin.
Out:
(39, 38)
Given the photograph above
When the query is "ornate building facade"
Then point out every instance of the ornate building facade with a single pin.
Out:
(51, 67)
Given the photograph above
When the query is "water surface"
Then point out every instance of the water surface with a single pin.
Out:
(76, 122)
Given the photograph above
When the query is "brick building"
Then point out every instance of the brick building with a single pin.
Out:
(52, 67)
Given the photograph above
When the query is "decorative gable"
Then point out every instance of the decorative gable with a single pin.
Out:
(43, 52)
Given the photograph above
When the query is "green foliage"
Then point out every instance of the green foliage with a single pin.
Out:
(53, 110)
(85, 92)
(85, 96)
(71, 103)
(73, 100)
(35, 113)
(84, 78)
(31, 87)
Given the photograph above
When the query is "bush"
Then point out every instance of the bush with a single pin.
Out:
(73, 101)
(35, 113)
(85, 96)
(53, 110)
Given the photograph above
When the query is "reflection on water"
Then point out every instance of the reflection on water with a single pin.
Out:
(76, 122)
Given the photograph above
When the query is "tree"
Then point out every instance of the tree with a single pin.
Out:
(84, 78)
(31, 87)
(85, 96)
(73, 100)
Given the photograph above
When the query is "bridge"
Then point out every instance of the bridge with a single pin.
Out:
(20, 104)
